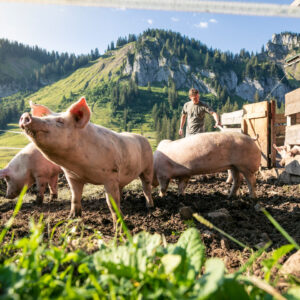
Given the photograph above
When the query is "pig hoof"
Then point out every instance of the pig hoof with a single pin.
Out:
(150, 210)
(149, 205)
(53, 197)
(39, 200)
(161, 194)
(74, 214)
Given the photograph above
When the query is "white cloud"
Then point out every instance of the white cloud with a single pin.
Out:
(174, 19)
(149, 21)
(213, 21)
(202, 25)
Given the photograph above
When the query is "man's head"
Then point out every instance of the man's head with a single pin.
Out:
(194, 95)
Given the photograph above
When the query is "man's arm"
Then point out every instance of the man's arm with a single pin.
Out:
(182, 122)
(216, 117)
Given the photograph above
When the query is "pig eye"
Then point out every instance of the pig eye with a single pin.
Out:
(60, 122)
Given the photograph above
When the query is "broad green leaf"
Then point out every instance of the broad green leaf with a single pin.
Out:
(231, 289)
(280, 252)
(147, 241)
(70, 256)
(212, 279)
(191, 241)
(293, 294)
(170, 262)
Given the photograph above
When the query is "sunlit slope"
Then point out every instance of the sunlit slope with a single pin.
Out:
(91, 76)
(10, 139)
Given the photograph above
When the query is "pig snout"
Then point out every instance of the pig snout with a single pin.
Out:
(25, 120)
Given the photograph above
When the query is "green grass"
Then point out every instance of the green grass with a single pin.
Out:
(91, 75)
(18, 67)
(9, 139)
(141, 266)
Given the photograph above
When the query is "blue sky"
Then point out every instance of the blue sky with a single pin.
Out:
(79, 29)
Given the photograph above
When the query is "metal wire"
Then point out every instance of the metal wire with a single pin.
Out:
(11, 148)
(18, 132)
(221, 7)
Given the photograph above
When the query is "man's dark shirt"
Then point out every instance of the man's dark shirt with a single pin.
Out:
(195, 116)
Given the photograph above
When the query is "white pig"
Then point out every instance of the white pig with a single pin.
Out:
(29, 166)
(89, 153)
(286, 152)
(295, 151)
(206, 153)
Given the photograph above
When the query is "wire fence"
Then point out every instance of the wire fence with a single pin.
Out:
(220, 7)
(18, 132)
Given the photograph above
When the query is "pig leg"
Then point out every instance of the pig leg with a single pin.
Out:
(113, 189)
(53, 187)
(121, 192)
(251, 182)
(236, 182)
(229, 178)
(182, 184)
(76, 191)
(146, 179)
(41, 184)
(163, 183)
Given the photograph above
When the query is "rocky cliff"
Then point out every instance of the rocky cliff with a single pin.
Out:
(151, 67)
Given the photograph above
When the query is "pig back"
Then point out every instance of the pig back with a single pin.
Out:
(37, 164)
(209, 152)
(136, 155)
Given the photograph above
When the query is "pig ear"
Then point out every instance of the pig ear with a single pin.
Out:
(38, 110)
(81, 112)
(4, 172)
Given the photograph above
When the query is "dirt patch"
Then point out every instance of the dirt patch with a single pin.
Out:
(240, 217)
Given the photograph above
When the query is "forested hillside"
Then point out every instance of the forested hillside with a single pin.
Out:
(141, 82)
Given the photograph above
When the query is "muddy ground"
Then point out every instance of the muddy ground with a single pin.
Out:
(240, 217)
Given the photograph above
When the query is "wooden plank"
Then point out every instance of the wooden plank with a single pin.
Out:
(234, 117)
(292, 102)
(292, 165)
(272, 134)
(255, 115)
(280, 129)
(279, 141)
(280, 118)
(292, 135)
(232, 129)
(259, 126)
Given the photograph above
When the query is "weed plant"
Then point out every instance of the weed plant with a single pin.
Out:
(143, 266)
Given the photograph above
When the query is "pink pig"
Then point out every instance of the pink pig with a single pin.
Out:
(89, 153)
(29, 166)
(206, 153)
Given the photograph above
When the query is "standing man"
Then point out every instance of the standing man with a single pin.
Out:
(194, 112)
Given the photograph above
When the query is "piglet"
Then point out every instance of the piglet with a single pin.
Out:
(29, 166)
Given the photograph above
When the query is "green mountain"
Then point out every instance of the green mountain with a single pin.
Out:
(29, 68)
(141, 83)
